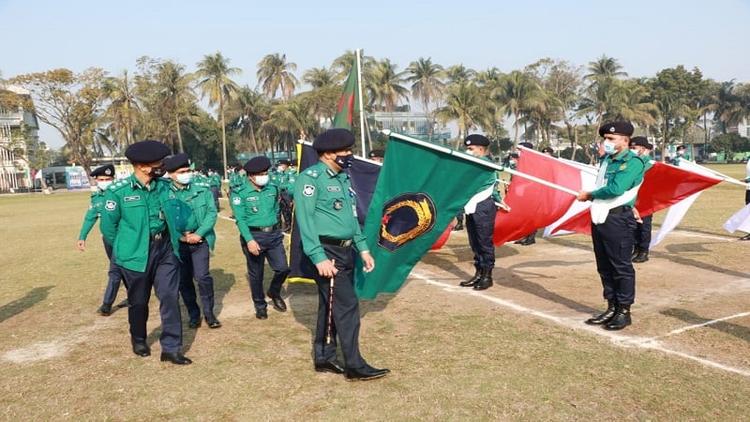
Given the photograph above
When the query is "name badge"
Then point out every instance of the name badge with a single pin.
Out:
(132, 198)
(333, 188)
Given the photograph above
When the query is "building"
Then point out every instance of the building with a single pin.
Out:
(413, 124)
(15, 124)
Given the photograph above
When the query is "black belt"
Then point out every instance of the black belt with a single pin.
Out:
(620, 209)
(266, 229)
(158, 236)
(335, 242)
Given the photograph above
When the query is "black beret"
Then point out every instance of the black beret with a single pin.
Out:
(376, 153)
(105, 170)
(477, 139)
(257, 164)
(548, 150)
(176, 162)
(146, 152)
(514, 155)
(680, 147)
(287, 162)
(640, 141)
(616, 128)
(333, 140)
(526, 145)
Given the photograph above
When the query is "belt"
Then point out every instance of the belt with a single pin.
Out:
(266, 229)
(620, 209)
(335, 242)
(158, 236)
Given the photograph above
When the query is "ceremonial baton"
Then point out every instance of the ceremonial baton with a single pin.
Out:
(329, 323)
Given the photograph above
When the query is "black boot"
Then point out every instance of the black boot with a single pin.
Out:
(605, 316)
(485, 279)
(459, 226)
(642, 256)
(636, 251)
(620, 320)
(472, 281)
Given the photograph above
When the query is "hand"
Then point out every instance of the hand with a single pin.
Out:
(193, 238)
(327, 269)
(583, 196)
(81, 245)
(637, 216)
(368, 261)
(253, 247)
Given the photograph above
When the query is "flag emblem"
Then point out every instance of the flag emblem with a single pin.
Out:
(405, 218)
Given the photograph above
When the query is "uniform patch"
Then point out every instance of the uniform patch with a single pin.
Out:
(308, 190)
(252, 198)
(333, 188)
(110, 205)
(623, 166)
(338, 204)
(236, 200)
(254, 209)
(131, 198)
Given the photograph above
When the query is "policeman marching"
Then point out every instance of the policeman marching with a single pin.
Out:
(480, 221)
(104, 176)
(256, 208)
(284, 177)
(135, 223)
(620, 172)
(192, 205)
(326, 216)
(642, 234)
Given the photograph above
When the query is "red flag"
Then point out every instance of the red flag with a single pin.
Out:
(443, 237)
(663, 186)
(533, 205)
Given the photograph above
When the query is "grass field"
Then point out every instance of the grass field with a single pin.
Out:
(517, 351)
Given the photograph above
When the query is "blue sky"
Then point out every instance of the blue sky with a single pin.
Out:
(645, 36)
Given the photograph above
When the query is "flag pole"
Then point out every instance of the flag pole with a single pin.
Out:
(361, 100)
(479, 161)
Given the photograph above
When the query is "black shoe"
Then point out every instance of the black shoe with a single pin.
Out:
(105, 310)
(195, 323)
(261, 313)
(620, 320)
(278, 303)
(458, 227)
(472, 281)
(745, 237)
(605, 316)
(176, 357)
(141, 349)
(331, 366)
(365, 373)
(371, 368)
(485, 279)
(123, 304)
(636, 251)
(213, 322)
(641, 257)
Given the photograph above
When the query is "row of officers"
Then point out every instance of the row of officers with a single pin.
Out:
(159, 231)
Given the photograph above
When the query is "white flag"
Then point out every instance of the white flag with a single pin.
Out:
(739, 221)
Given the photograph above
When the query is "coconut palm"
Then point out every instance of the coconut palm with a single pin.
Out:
(122, 108)
(459, 73)
(214, 80)
(174, 92)
(426, 81)
(632, 104)
(383, 83)
(605, 68)
(275, 74)
(517, 92)
(342, 65)
(464, 105)
(246, 111)
(319, 77)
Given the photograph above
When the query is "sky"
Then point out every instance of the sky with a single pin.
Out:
(645, 36)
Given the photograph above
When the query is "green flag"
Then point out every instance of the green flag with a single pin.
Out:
(348, 102)
(419, 191)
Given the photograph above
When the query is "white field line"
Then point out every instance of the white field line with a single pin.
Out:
(576, 324)
(694, 326)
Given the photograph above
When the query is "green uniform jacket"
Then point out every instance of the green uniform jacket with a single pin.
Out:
(132, 213)
(94, 212)
(194, 210)
(290, 180)
(491, 181)
(214, 180)
(255, 208)
(326, 206)
(624, 172)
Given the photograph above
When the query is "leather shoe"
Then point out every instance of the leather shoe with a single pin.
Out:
(331, 366)
(175, 357)
(605, 316)
(472, 281)
(365, 373)
(141, 349)
(213, 322)
(641, 257)
(485, 279)
(278, 303)
(105, 310)
(261, 313)
(620, 320)
(194, 324)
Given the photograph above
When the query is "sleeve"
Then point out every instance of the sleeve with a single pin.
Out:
(88, 222)
(235, 200)
(360, 241)
(304, 211)
(110, 217)
(209, 220)
(620, 182)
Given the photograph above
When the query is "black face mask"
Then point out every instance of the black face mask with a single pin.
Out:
(344, 161)
(156, 172)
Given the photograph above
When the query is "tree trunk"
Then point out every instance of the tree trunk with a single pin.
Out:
(575, 143)
(252, 137)
(515, 129)
(223, 134)
(177, 129)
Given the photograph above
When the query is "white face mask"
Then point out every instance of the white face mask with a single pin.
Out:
(184, 178)
(609, 147)
(261, 180)
(103, 185)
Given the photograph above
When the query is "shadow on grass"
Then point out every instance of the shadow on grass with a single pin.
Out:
(739, 331)
(31, 298)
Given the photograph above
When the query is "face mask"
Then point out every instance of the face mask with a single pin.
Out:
(261, 180)
(609, 147)
(680, 153)
(156, 172)
(184, 178)
(344, 161)
(103, 185)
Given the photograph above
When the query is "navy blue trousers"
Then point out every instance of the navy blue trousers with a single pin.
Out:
(643, 233)
(480, 226)
(613, 248)
(113, 277)
(194, 265)
(271, 249)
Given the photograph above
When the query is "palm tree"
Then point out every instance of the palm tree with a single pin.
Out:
(384, 85)
(122, 106)
(459, 73)
(248, 109)
(426, 81)
(214, 80)
(174, 93)
(464, 105)
(632, 104)
(319, 77)
(605, 68)
(287, 122)
(342, 65)
(729, 107)
(517, 92)
(489, 78)
(275, 73)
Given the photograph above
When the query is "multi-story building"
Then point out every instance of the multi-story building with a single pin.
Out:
(15, 123)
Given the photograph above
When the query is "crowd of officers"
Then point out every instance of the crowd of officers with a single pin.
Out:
(158, 232)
